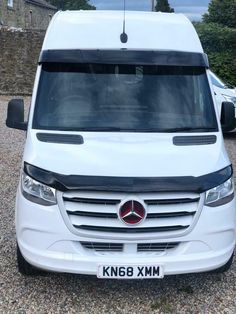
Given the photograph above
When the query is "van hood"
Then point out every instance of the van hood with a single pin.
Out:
(230, 92)
(127, 155)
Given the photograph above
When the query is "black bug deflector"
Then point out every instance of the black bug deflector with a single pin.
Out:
(129, 184)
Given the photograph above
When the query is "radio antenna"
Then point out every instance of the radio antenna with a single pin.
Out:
(124, 36)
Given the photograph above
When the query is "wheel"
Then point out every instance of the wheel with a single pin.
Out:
(25, 268)
(225, 267)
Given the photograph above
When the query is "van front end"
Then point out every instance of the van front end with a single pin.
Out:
(125, 226)
(125, 172)
(109, 234)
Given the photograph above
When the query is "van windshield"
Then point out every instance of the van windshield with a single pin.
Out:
(125, 98)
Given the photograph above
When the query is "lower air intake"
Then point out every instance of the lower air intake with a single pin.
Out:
(156, 247)
(103, 247)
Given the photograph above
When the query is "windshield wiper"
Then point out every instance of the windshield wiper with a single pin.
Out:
(115, 129)
(147, 130)
(190, 129)
(101, 129)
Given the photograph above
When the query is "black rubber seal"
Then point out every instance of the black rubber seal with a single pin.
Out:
(129, 184)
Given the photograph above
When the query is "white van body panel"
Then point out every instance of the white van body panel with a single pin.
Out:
(119, 154)
(102, 29)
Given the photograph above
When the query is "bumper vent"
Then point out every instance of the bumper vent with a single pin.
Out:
(156, 247)
(103, 247)
(119, 247)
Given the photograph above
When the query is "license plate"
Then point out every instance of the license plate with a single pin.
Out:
(130, 271)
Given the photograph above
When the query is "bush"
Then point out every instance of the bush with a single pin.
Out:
(219, 42)
(221, 12)
(224, 65)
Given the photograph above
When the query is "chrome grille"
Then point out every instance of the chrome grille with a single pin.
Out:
(97, 212)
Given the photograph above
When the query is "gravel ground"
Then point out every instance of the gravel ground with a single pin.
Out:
(62, 293)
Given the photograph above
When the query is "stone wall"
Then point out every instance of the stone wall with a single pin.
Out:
(25, 14)
(12, 16)
(19, 52)
(37, 17)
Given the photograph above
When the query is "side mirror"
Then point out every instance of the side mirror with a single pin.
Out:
(228, 122)
(15, 115)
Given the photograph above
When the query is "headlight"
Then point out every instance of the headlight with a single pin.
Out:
(220, 195)
(37, 192)
(230, 99)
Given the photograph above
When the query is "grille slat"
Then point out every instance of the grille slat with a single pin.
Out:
(92, 214)
(92, 200)
(170, 215)
(171, 201)
(113, 215)
(115, 222)
(130, 230)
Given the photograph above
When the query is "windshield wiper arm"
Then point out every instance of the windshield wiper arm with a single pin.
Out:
(189, 129)
(101, 129)
(147, 130)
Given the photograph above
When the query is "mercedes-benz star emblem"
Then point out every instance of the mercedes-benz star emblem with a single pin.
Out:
(132, 212)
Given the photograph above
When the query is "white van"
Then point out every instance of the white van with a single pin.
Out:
(125, 172)
(223, 91)
(228, 91)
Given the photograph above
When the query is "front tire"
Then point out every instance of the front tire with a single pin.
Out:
(25, 268)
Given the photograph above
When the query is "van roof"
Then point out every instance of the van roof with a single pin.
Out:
(102, 30)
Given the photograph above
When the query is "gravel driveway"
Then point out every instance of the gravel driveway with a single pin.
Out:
(62, 293)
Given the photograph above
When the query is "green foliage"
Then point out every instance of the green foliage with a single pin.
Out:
(219, 42)
(224, 65)
(221, 12)
(72, 4)
(163, 6)
(217, 38)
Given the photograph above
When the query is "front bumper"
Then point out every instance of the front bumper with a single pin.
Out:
(47, 243)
